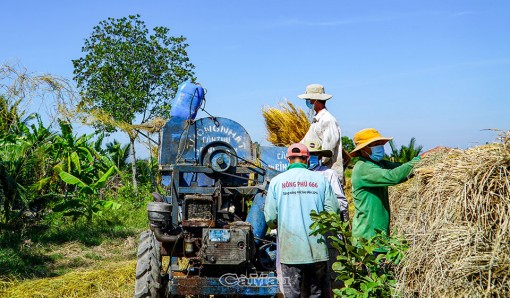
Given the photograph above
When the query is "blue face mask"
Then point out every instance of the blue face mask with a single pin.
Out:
(377, 153)
(314, 162)
(309, 104)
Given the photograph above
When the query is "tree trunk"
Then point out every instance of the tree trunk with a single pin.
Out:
(133, 164)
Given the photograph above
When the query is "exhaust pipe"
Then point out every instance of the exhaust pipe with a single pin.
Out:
(165, 238)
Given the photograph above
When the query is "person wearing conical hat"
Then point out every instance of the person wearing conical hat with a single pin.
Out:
(370, 179)
(324, 127)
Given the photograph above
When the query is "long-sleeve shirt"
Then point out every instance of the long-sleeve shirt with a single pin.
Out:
(291, 196)
(370, 183)
(336, 184)
(325, 128)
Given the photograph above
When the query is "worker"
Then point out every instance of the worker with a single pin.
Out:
(324, 127)
(291, 196)
(317, 153)
(315, 164)
(371, 177)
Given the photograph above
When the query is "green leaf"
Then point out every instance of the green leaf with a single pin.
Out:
(88, 190)
(101, 182)
(87, 153)
(350, 291)
(75, 160)
(348, 282)
(41, 183)
(70, 179)
(58, 167)
(337, 267)
(111, 205)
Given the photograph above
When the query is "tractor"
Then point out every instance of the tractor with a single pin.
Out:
(208, 222)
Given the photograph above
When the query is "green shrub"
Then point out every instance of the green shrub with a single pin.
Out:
(362, 273)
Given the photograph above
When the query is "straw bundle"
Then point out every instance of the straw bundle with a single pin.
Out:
(286, 125)
(456, 215)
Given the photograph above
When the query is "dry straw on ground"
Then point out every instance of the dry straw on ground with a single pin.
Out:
(285, 125)
(456, 215)
(113, 280)
(106, 270)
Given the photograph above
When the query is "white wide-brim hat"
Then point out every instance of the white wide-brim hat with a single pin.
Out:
(315, 91)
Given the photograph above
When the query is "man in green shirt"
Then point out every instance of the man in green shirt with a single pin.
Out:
(371, 177)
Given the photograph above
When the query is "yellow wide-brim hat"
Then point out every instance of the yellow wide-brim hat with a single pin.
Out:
(365, 137)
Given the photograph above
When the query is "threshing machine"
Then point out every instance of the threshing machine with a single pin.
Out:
(209, 223)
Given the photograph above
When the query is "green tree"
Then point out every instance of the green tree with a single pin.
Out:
(347, 144)
(130, 74)
(118, 153)
(405, 153)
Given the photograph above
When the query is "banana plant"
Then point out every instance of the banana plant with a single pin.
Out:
(85, 201)
(21, 168)
(86, 170)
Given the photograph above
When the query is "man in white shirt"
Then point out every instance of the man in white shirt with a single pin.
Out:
(324, 127)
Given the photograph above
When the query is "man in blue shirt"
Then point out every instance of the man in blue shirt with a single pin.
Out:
(291, 196)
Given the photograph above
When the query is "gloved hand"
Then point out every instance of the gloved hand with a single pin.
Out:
(273, 232)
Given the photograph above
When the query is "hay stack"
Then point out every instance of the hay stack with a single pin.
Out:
(456, 215)
(286, 125)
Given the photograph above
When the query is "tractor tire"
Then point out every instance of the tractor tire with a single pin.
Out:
(148, 267)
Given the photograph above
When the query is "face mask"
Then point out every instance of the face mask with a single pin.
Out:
(314, 162)
(377, 153)
(309, 104)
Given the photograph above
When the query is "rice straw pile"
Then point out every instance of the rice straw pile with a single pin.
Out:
(456, 215)
(286, 125)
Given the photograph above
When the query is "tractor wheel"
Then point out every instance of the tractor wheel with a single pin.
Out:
(148, 267)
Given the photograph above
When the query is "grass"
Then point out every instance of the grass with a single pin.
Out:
(48, 255)
(61, 258)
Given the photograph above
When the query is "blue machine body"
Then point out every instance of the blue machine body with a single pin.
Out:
(214, 157)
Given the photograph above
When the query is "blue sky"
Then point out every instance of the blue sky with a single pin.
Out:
(435, 70)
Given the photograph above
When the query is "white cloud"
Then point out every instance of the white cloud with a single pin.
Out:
(463, 13)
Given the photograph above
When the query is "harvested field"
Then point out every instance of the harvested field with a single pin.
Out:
(113, 280)
(456, 215)
(106, 270)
